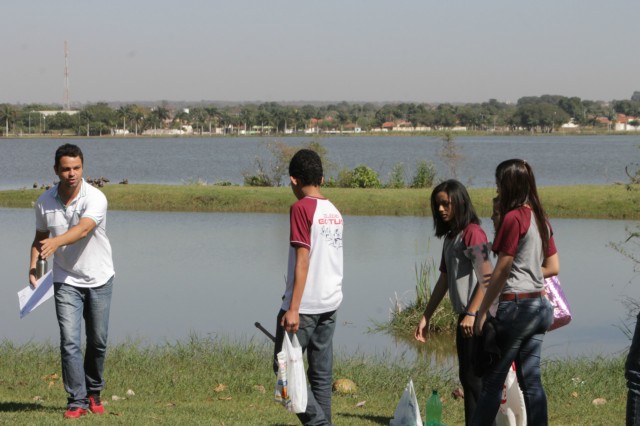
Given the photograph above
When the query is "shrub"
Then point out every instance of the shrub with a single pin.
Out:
(425, 175)
(396, 177)
(344, 179)
(260, 179)
(364, 177)
(274, 172)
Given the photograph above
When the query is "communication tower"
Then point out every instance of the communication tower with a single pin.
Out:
(66, 102)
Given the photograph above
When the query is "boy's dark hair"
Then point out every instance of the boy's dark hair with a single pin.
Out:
(306, 166)
(68, 150)
(463, 211)
(516, 187)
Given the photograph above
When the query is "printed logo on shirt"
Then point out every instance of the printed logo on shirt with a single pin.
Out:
(330, 219)
(332, 236)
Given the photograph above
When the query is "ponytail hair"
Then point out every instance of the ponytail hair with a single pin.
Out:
(517, 187)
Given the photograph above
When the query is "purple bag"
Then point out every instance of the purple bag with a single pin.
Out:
(561, 310)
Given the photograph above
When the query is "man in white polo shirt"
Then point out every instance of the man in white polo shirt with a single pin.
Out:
(71, 224)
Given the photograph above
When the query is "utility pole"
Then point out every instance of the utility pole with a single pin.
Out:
(66, 102)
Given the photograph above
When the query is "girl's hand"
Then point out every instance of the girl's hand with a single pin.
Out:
(422, 330)
(466, 326)
(480, 319)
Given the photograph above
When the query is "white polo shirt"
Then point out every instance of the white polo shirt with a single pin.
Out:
(87, 262)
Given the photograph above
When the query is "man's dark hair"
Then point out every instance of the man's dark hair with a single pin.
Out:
(306, 166)
(68, 150)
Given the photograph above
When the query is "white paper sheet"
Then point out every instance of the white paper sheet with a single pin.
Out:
(30, 298)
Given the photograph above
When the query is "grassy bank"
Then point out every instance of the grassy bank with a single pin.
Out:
(216, 382)
(580, 201)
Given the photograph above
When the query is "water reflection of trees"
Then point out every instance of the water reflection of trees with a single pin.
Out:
(439, 350)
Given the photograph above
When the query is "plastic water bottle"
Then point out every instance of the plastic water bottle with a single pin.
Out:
(433, 410)
(41, 267)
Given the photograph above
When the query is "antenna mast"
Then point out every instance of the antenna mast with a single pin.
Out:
(66, 105)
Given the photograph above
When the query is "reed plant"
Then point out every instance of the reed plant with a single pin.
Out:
(404, 316)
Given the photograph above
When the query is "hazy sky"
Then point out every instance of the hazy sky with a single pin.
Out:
(305, 50)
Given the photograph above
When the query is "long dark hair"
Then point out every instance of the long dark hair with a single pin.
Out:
(516, 187)
(463, 211)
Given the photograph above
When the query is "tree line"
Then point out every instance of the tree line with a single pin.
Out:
(533, 113)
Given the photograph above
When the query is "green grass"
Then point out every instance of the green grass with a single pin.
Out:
(217, 382)
(580, 201)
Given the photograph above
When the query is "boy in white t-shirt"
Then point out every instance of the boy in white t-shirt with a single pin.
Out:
(314, 281)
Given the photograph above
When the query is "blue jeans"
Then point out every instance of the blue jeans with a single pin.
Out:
(316, 339)
(521, 327)
(83, 376)
(632, 374)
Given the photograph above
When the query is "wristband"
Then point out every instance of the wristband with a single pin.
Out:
(471, 314)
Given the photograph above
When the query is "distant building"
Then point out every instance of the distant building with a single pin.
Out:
(49, 113)
(625, 123)
(571, 124)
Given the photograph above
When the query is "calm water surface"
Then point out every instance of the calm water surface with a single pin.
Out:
(216, 274)
(558, 160)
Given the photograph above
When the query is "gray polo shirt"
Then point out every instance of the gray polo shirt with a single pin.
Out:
(518, 236)
(461, 277)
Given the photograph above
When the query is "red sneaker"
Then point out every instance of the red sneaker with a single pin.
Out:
(74, 413)
(95, 405)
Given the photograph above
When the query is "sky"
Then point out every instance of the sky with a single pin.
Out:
(309, 50)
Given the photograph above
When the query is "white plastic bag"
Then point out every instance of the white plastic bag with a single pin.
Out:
(291, 382)
(408, 412)
(512, 410)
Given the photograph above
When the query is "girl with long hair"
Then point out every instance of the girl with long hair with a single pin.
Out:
(455, 220)
(526, 255)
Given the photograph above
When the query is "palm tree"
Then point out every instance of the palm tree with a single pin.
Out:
(224, 119)
(124, 113)
(85, 116)
(198, 118)
(157, 118)
(136, 117)
(213, 115)
(248, 115)
(8, 114)
(180, 118)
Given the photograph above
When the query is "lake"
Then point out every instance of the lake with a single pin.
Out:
(215, 274)
(557, 160)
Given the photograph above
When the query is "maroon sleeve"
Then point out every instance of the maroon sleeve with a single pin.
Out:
(301, 216)
(473, 235)
(510, 232)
